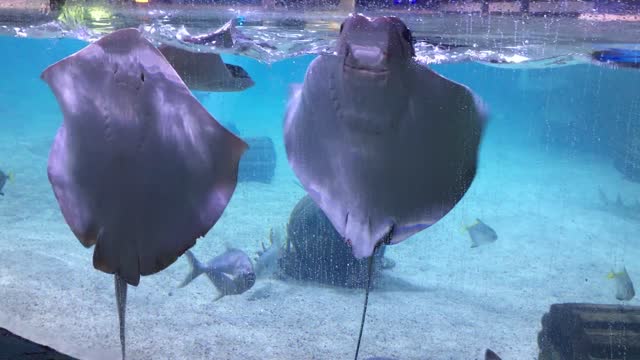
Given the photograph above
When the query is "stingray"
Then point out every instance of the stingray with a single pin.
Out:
(139, 168)
(206, 71)
(229, 38)
(385, 146)
(223, 37)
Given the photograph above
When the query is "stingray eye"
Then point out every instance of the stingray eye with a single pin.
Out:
(341, 27)
(406, 34)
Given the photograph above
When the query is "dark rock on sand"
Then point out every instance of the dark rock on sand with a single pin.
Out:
(15, 347)
(316, 252)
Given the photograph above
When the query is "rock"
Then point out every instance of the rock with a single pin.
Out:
(590, 332)
(15, 347)
(316, 252)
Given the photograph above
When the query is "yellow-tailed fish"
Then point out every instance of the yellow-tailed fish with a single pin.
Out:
(624, 285)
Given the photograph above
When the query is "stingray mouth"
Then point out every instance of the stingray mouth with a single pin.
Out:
(370, 60)
(250, 279)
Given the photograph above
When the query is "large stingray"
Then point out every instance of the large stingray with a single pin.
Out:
(385, 146)
(139, 168)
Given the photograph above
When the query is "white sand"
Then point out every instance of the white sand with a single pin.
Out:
(555, 245)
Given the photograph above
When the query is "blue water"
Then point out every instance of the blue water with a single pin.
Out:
(549, 147)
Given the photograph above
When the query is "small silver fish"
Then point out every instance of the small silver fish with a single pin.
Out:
(267, 261)
(481, 234)
(3, 180)
(624, 286)
(231, 273)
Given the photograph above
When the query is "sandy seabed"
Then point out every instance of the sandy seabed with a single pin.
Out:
(556, 244)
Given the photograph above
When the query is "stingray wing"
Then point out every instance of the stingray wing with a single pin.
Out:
(139, 168)
(371, 177)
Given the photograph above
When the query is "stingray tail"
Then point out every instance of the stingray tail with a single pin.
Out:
(366, 301)
(121, 300)
(385, 240)
(197, 268)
